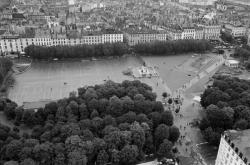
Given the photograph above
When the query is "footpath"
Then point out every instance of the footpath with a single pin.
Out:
(191, 136)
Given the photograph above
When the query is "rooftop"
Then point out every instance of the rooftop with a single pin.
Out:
(231, 61)
(241, 140)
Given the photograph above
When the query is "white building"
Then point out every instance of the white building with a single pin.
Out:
(211, 32)
(134, 38)
(18, 45)
(194, 32)
(234, 148)
(199, 2)
(232, 63)
(112, 38)
(235, 31)
(188, 33)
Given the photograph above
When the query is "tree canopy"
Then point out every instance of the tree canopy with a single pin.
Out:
(105, 123)
(173, 47)
(227, 106)
(77, 51)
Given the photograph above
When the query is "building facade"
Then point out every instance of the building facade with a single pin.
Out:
(211, 32)
(136, 38)
(188, 33)
(236, 31)
(19, 44)
(234, 147)
(194, 32)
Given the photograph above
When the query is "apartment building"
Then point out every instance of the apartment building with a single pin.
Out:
(19, 44)
(111, 38)
(134, 38)
(174, 32)
(199, 33)
(185, 33)
(235, 31)
(211, 32)
(188, 33)
(234, 148)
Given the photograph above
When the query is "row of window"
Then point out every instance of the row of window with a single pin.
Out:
(228, 155)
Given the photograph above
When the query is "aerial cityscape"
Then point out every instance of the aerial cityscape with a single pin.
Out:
(124, 82)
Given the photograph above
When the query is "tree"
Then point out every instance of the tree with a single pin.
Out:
(124, 126)
(155, 117)
(211, 136)
(90, 94)
(28, 161)
(115, 106)
(77, 158)
(84, 113)
(103, 104)
(93, 104)
(114, 140)
(161, 133)
(86, 124)
(87, 135)
(74, 143)
(99, 144)
(227, 37)
(3, 134)
(137, 135)
(204, 123)
(9, 110)
(73, 108)
(129, 117)
(43, 153)
(108, 129)
(51, 108)
(69, 130)
(60, 159)
(142, 118)
(174, 134)
(167, 118)
(128, 104)
(115, 156)
(109, 120)
(158, 107)
(102, 158)
(94, 114)
(11, 163)
(165, 149)
(164, 94)
(170, 101)
(18, 116)
(241, 124)
(13, 149)
(97, 124)
(28, 117)
(220, 118)
(128, 154)
(46, 136)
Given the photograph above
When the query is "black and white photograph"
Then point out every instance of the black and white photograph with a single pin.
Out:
(124, 82)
